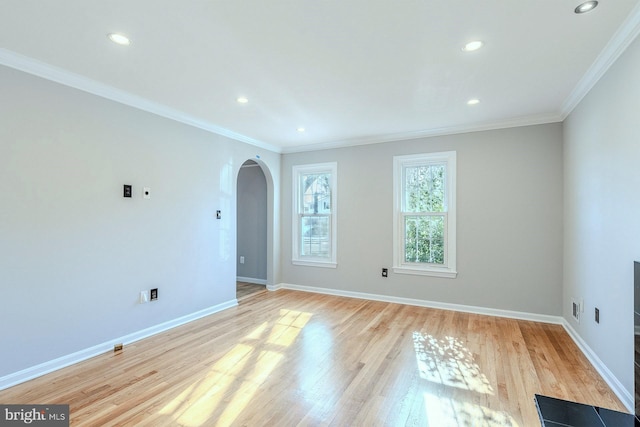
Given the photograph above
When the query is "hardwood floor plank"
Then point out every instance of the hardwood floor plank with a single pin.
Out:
(295, 358)
(244, 290)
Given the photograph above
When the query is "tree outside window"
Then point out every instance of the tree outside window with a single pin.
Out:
(424, 237)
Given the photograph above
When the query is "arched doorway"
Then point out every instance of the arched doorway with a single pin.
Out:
(252, 234)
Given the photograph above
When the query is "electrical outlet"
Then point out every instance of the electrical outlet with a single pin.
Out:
(385, 272)
(154, 294)
(127, 191)
(597, 315)
(575, 311)
(118, 347)
(241, 260)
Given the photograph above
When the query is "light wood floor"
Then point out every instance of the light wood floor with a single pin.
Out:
(291, 358)
(244, 289)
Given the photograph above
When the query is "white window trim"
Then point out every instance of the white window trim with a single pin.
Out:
(298, 170)
(399, 163)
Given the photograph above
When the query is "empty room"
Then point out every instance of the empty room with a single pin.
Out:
(336, 213)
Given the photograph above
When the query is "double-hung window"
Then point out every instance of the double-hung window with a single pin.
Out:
(314, 214)
(425, 214)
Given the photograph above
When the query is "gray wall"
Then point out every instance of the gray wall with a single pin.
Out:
(509, 199)
(252, 223)
(74, 254)
(602, 206)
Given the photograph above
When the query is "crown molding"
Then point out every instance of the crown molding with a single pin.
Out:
(49, 72)
(618, 43)
(623, 37)
(450, 130)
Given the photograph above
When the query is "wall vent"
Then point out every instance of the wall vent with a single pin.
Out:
(575, 310)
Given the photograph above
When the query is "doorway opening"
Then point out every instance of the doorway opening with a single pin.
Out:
(252, 230)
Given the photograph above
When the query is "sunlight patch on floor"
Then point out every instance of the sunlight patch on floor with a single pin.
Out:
(234, 379)
(267, 361)
(287, 327)
(258, 332)
(196, 402)
(447, 412)
(449, 362)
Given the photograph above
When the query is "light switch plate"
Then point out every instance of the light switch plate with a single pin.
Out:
(144, 297)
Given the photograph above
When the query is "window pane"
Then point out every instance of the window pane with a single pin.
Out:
(316, 193)
(424, 188)
(424, 239)
(315, 236)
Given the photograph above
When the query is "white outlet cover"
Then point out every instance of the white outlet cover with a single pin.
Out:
(144, 297)
(146, 192)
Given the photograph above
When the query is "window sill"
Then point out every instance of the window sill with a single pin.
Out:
(426, 272)
(323, 264)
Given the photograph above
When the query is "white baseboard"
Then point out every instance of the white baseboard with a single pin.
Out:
(79, 356)
(425, 303)
(622, 393)
(64, 361)
(626, 398)
(251, 280)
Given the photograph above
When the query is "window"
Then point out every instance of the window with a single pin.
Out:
(314, 211)
(425, 215)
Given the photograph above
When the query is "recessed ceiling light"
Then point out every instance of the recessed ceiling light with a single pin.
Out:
(119, 39)
(473, 45)
(586, 6)
(474, 101)
(242, 100)
(300, 129)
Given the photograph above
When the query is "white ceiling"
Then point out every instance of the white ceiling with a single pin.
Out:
(348, 71)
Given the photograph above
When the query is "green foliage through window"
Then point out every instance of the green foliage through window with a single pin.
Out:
(424, 194)
(424, 239)
(424, 214)
(425, 188)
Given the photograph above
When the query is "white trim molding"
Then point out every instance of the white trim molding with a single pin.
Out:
(79, 356)
(519, 315)
(402, 210)
(315, 263)
(76, 81)
(446, 130)
(251, 280)
(274, 288)
(298, 213)
(625, 35)
(617, 387)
